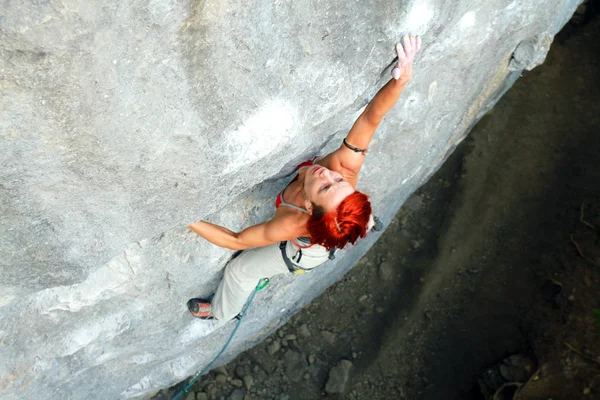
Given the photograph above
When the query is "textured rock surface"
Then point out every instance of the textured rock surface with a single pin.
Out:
(122, 122)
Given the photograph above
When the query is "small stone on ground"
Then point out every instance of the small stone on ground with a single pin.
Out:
(338, 377)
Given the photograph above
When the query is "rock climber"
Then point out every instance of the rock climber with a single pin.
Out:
(318, 212)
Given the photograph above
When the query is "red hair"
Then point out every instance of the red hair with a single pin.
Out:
(348, 222)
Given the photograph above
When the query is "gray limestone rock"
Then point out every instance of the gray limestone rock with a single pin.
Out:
(338, 377)
(274, 347)
(237, 394)
(122, 122)
(387, 270)
(295, 364)
(530, 53)
(304, 331)
(237, 383)
(248, 382)
(241, 370)
(328, 337)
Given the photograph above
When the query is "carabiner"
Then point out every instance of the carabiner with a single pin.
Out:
(262, 283)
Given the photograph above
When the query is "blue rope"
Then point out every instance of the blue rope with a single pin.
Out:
(261, 285)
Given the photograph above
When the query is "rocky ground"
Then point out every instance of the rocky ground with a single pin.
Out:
(486, 280)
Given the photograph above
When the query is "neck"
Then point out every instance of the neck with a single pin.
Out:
(294, 192)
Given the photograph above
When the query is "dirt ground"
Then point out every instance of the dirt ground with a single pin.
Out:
(498, 255)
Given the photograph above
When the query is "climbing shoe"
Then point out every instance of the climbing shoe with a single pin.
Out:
(200, 308)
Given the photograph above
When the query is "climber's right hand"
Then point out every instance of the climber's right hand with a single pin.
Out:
(406, 50)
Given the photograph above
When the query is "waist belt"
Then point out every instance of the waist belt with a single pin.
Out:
(293, 268)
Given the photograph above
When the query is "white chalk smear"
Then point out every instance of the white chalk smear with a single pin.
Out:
(418, 17)
(198, 329)
(104, 330)
(260, 134)
(144, 383)
(468, 20)
(432, 90)
(412, 175)
(4, 300)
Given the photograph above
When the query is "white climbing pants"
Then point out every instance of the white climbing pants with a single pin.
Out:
(243, 273)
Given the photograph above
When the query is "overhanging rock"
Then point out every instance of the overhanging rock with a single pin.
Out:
(123, 121)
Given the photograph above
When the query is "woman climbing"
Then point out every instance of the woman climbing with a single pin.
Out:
(318, 212)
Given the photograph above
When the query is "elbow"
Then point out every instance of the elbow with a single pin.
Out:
(233, 246)
(236, 244)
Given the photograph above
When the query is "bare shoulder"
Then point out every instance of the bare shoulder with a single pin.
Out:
(290, 222)
(335, 162)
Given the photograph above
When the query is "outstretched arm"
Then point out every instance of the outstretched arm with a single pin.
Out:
(363, 129)
(272, 231)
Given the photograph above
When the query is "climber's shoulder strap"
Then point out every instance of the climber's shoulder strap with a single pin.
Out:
(290, 265)
(293, 268)
(332, 254)
(378, 227)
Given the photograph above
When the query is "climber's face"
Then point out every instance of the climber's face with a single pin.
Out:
(325, 188)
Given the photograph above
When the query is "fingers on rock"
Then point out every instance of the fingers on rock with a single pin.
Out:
(401, 53)
(406, 44)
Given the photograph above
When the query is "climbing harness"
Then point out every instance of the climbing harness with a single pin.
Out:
(260, 286)
(292, 264)
(293, 268)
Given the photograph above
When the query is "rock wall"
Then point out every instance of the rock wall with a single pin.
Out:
(122, 122)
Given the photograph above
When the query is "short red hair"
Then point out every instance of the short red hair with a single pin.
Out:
(348, 222)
